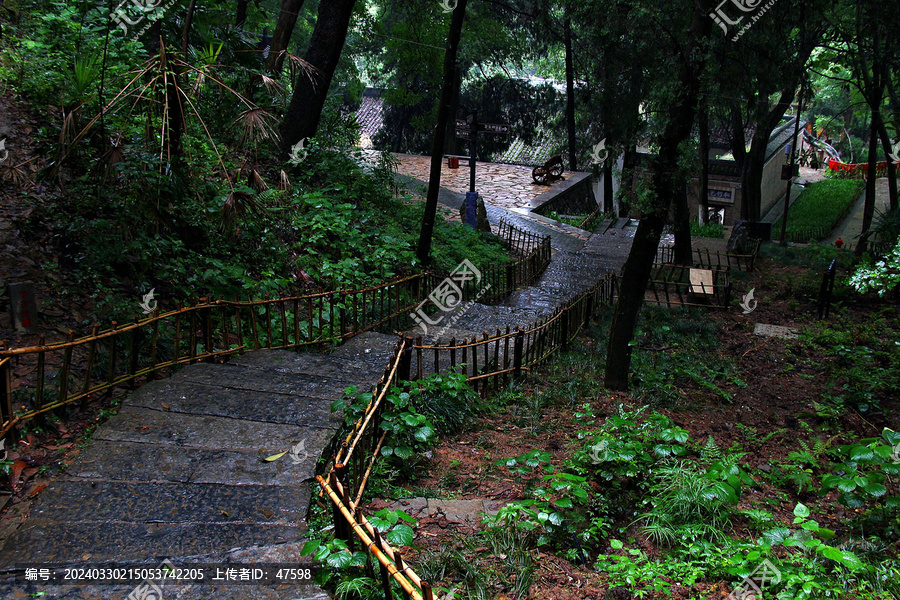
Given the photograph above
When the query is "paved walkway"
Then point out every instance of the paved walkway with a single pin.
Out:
(851, 227)
(178, 473)
(503, 186)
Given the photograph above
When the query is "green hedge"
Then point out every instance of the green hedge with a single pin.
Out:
(820, 208)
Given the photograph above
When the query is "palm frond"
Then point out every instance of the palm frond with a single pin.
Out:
(284, 184)
(255, 181)
(272, 85)
(256, 125)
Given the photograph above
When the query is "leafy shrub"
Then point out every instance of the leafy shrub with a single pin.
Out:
(709, 230)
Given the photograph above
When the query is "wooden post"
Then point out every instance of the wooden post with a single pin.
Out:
(564, 322)
(517, 351)
(6, 414)
(134, 352)
(403, 367)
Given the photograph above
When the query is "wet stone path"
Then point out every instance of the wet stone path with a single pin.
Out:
(178, 473)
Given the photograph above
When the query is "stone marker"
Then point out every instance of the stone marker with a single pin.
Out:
(24, 307)
(778, 331)
(737, 243)
(481, 222)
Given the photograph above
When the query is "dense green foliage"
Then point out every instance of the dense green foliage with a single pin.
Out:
(821, 205)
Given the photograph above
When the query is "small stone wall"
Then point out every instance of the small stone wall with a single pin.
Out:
(572, 196)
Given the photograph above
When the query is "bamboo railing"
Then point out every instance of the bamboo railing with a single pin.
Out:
(73, 370)
(488, 362)
(715, 260)
(503, 356)
(61, 373)
(670, 285)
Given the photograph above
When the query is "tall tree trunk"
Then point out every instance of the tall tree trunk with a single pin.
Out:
(423, 249)
(186, 32)
(869, 205)
(323, 54)
(682, 227)
(755, 162)
(626, 185)
(174, 107)
(287, 19)
(666, 183)
(703, 151)
(570, 95)
(241, 15)
(608, 201)
(892, 167)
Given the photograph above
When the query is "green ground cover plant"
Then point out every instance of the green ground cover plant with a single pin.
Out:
(709, 230)
(821, 204)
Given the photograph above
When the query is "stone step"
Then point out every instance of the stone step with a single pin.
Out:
(369, 347)
(308, 363)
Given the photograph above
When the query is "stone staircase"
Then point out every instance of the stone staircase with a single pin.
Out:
(179, 474)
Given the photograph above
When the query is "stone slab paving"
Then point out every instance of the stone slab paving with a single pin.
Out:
(459, 512)
(779, 331)
(504, 186)
(179, 474)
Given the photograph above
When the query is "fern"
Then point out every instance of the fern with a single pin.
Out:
(359, 587)
(687, 505)
(710, 451)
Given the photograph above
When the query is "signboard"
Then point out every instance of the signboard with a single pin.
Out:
(720, 196)
(463, 134)
(462, 123)
(501, 128)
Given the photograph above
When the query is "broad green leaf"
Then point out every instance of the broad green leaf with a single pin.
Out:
(424, 433)
(340, 560)
(310, 547)
(861, 454)
(616, 544)
(875, 489)
(846, 485)
(400, 535)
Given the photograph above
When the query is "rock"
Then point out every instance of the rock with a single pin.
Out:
(737, 243)
(481, 217)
